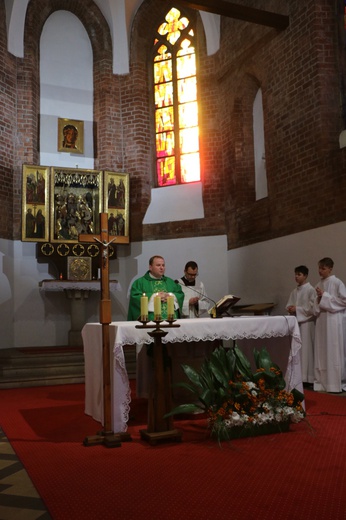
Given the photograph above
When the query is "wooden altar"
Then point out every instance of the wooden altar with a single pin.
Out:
(279, 334)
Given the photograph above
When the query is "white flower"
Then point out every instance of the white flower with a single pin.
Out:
(297, 417)
(267, 406)
(249, 385)
(236, 419)
(264, 418)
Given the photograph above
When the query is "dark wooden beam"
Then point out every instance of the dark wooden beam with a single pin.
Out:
(240, 12)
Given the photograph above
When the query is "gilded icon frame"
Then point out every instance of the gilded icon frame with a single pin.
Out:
(79, 268)
(70, 135)
(35, 203)
(116, 204)
(76, 203)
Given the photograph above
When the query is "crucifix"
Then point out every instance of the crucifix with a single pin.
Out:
(106, 436)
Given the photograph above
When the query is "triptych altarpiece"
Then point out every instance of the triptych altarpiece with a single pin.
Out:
(59, 204)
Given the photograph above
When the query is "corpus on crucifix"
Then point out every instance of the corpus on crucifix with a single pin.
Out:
(107, 437)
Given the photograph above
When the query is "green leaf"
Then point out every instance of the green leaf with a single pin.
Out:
(230, 361)
(219, 373)
(187, 386)
(242, 364)
(184, 408)
(263, 360)
(192, 375)
(226, 359)
(206, 398)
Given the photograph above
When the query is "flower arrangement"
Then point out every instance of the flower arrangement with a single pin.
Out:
(238, 402)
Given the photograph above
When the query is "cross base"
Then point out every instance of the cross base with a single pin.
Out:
(108, 439)
(154, 437)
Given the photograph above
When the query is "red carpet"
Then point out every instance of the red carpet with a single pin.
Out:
(295, 475)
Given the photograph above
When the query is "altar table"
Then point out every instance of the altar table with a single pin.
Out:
(247, 331)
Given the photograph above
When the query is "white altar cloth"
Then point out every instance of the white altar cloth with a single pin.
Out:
(199, 329)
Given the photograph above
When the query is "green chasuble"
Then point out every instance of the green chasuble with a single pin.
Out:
(148, 285)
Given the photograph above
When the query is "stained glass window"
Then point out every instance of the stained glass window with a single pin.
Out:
(175, 96)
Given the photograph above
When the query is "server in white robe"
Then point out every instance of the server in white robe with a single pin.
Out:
(301, 304)
(330, 333)
(196, 303)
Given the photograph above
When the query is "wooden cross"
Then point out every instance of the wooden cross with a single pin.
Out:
(107, 436)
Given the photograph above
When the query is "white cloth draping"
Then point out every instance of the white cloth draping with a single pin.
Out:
(198, 329)
(303, 298)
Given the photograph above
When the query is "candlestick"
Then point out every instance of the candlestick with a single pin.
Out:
(157, 307)
(144, 307)
(170, 306)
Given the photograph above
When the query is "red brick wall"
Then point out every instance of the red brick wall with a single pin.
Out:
(300, 71)
(7, 130)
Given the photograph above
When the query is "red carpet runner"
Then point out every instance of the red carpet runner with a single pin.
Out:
(295, 475)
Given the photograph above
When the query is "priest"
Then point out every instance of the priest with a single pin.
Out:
(155, 283)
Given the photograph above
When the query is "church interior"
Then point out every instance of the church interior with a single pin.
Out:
(250, 183)
(270, 185)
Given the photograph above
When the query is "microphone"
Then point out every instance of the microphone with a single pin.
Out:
(213, 311)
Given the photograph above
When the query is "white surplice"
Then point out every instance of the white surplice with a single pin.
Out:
(193, 291)
(330, 336)
(303, 298)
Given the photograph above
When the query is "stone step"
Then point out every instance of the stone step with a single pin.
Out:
(40, 381)
(28, 371)
(15, 359)
(43, 366)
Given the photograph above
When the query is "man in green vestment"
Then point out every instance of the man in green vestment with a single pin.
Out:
(154, 283)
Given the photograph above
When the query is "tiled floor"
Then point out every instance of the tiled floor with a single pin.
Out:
(19, 499)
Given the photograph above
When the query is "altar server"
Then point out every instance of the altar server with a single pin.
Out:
(196, 303)
(330, 337)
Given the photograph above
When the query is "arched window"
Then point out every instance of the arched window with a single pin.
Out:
(259, 148)
(175, 97)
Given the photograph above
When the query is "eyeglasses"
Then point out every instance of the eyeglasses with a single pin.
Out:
(191, 275)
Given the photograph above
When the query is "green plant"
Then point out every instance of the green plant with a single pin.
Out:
(233, 396)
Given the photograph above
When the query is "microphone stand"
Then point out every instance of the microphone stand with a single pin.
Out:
(213, 312)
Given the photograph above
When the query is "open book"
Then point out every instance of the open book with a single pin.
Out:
(222, 307)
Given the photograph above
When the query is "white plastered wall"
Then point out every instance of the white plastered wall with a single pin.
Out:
(259, 273)
(264, 272)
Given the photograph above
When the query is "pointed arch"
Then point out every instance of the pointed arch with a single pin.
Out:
(175, 100)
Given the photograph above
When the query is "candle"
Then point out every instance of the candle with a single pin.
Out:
(157, 307)
(144, 306)
(170, 305)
